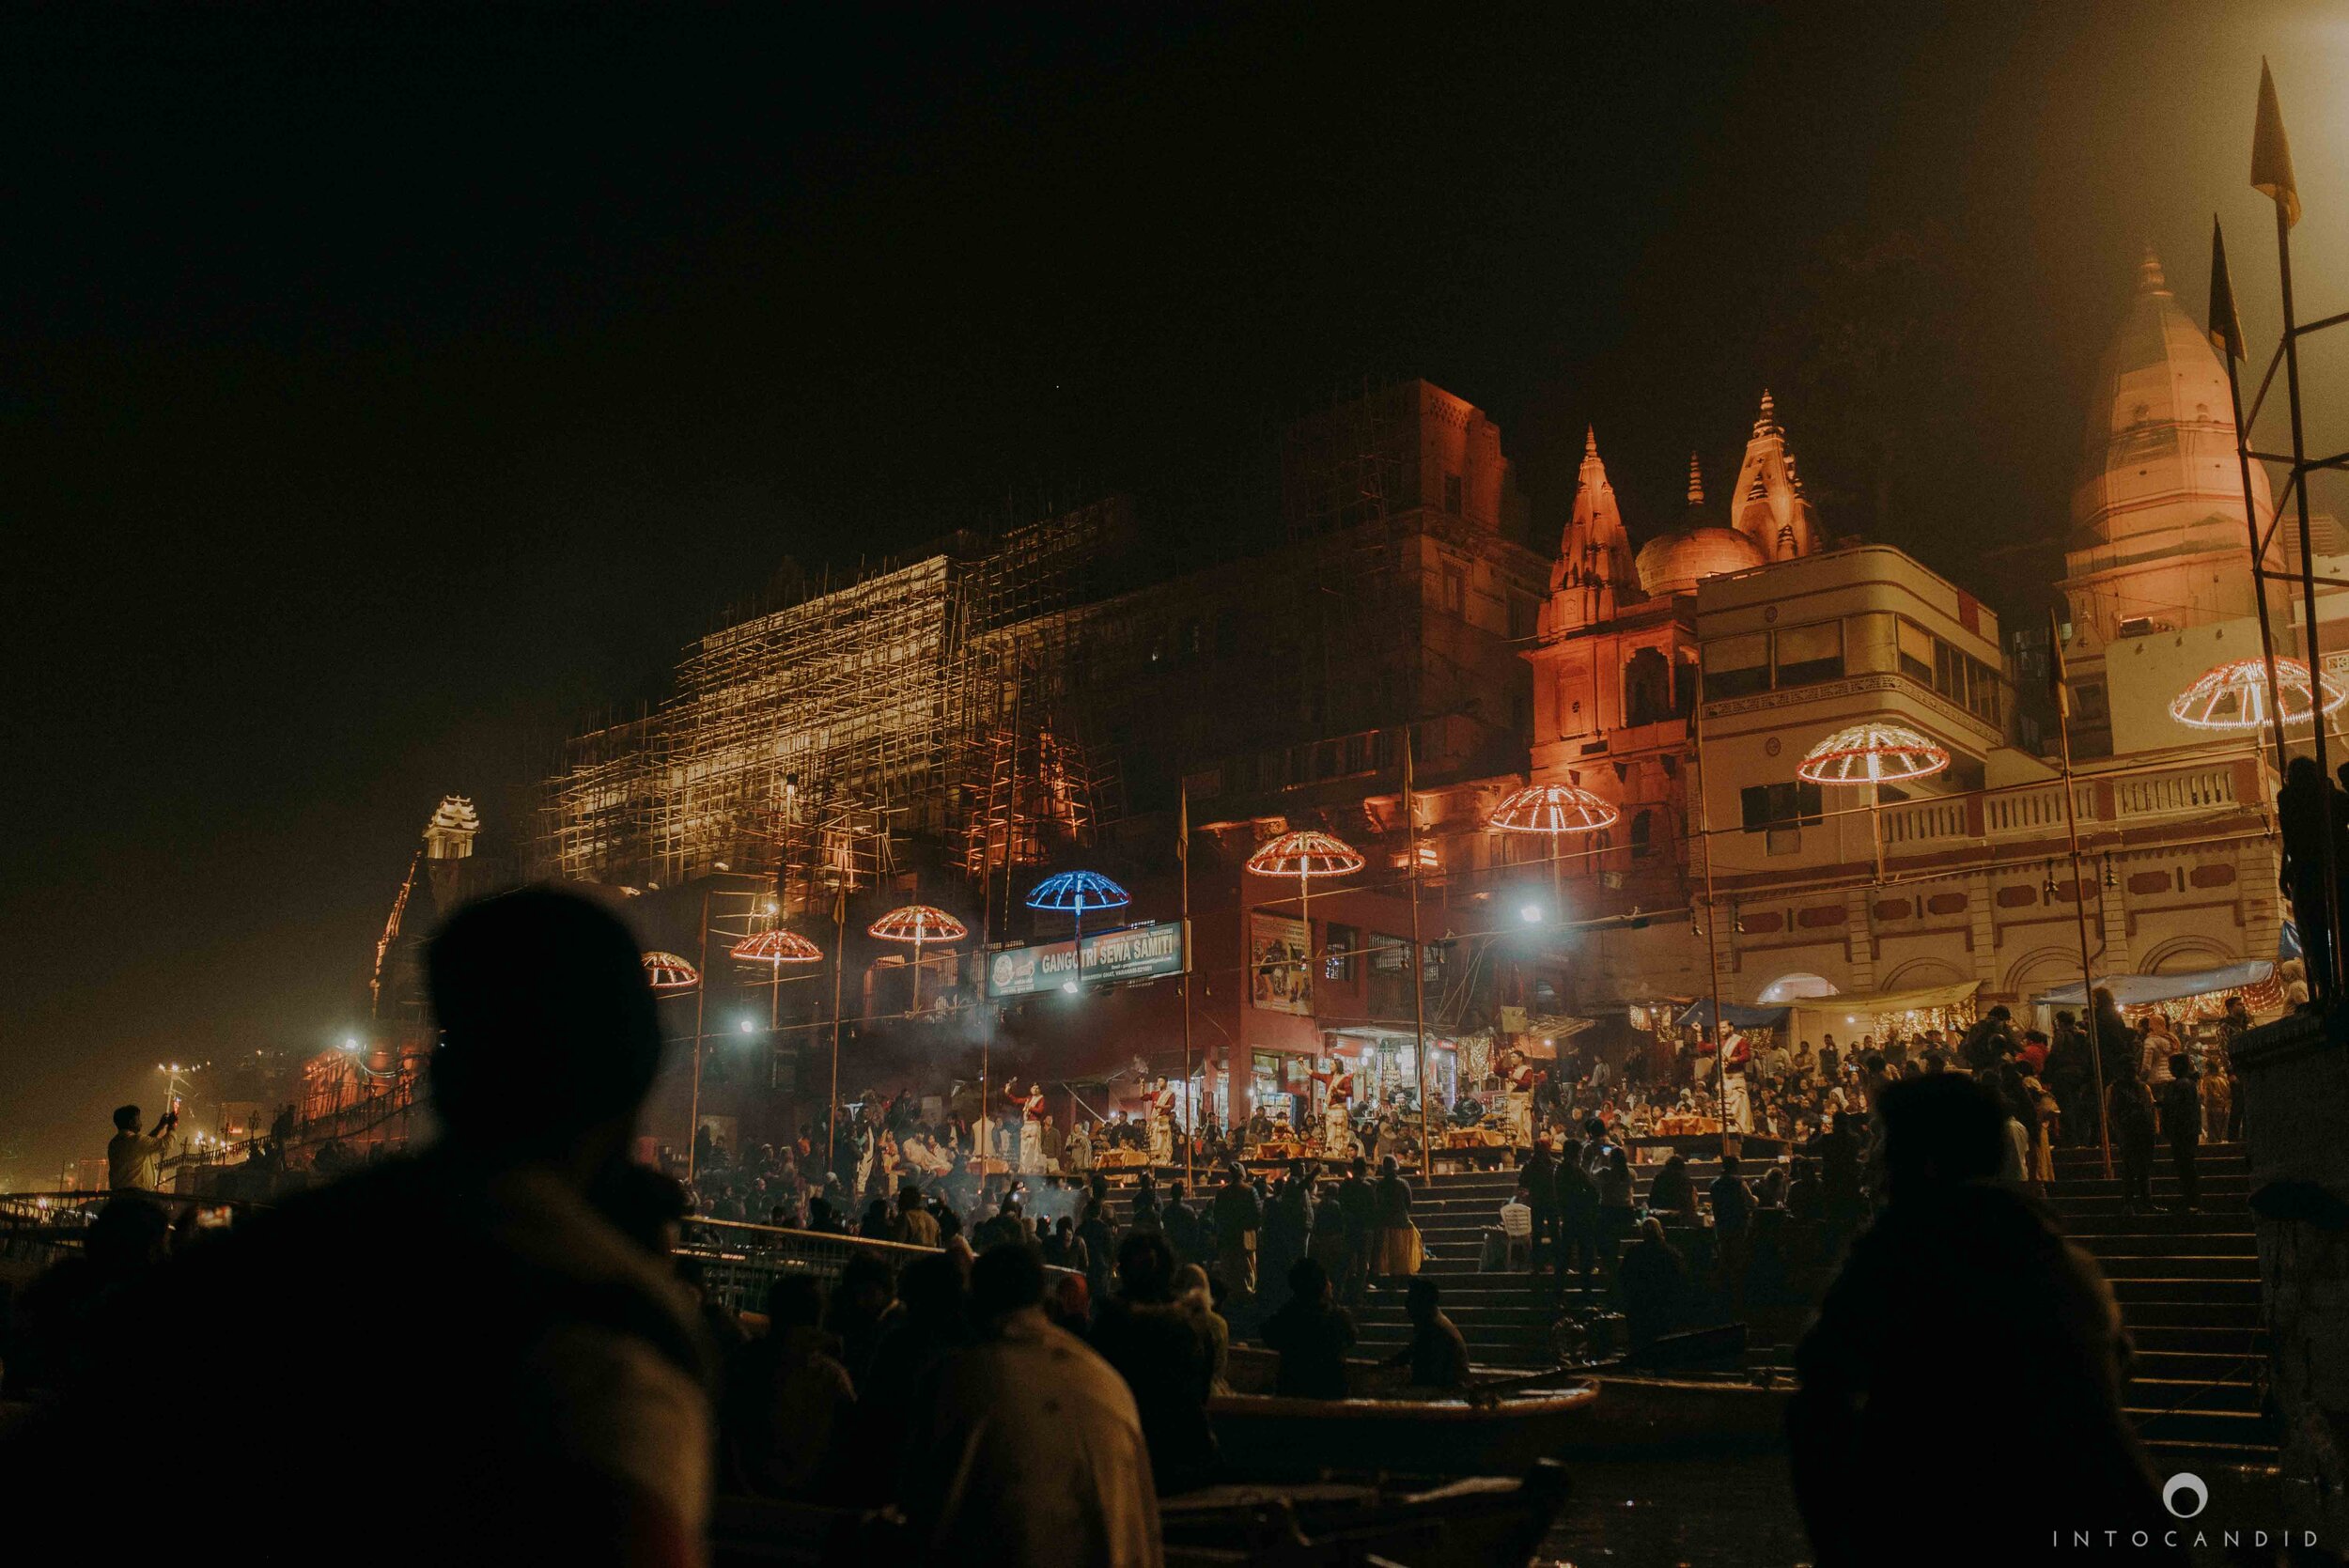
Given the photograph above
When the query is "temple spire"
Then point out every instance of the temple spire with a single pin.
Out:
(1696, 481)
(1593, 567)
(1767, 503)
(2150, 278)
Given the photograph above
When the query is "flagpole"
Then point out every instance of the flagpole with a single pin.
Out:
(2226, 332)
(1712, 954)
(2271, 175)
(1419, 962)
(2079, 890)
(1182, 858)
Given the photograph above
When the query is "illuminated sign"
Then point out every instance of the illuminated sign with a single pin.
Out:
(1144, 952)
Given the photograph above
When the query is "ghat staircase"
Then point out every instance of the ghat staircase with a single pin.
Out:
(2187, 1286)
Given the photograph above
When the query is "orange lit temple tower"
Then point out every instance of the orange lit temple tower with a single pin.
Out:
(2157, 543)
(1766, 505)
(1615, 666)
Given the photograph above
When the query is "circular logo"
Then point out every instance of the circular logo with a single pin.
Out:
(1769, 747)
(1769, 613)
(2184, 1496)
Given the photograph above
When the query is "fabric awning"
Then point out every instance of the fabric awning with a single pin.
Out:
(1847, 1015)
(2135, 990)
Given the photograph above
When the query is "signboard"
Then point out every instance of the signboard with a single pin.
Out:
(1142, 951)
(1277, 979)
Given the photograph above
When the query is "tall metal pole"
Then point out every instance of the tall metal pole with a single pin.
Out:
(2079, 904)
(1182, 858)
(2307, 588)
(1419, 965)
(701, 997)
(839, 957)
(1712, 955)
(2259, 575)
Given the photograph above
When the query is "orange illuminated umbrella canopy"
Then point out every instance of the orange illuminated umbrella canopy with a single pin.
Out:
(2233, 696)
(918, 924)
(1551, 808)
(1874, 752)
(1308, 852)
(778, 947)
(666, 971)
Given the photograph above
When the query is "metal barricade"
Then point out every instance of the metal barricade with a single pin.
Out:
(739, 1261)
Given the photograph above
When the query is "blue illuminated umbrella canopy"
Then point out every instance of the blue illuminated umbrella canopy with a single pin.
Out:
(1073, 892)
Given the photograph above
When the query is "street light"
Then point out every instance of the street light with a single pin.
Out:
(746, 1025)
(1531, 914)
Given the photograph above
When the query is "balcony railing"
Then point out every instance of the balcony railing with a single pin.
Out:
(2099, 800)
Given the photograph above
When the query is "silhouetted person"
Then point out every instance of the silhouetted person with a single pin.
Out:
(2129, 1107)
(1025, 1451)
(2300, 815)
(544, 1398)
(1655, 1284)
(1962, 1324)
(134, 1158)
(1437, 1356)
(60, 1313)
(1313, 1334)
(787, 1399)
(2180, 1110)
(1164, 1354)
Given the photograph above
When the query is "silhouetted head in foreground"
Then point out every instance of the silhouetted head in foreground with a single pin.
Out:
(1940, 1130)
(1008, 1279)
(548, 1041)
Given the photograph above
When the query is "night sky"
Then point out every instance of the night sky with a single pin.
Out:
(386, 393)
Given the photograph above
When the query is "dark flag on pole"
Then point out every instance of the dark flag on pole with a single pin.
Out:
(2226, 325)
(2058, 691)
(2271, 154)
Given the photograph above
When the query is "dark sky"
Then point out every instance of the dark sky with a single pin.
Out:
(385, 391)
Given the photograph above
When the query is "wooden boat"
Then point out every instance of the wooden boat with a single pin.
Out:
(1479, 1522)
(1639, 1412)
(1280, 1438)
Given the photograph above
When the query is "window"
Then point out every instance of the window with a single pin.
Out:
(1642, 836)
(1808, 654)
(1916, 651)
(1954, 673)
(1451, 493)
(1734, 666)
(1780, 805)
(1337, 958)
(1683, 689)
(1390, 977)
(1522, 618)
(1455, 591)
(1647, 695)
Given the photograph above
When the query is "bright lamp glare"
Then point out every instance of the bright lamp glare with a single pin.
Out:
(746, 1025)
(1068, 986)
(1530, 914)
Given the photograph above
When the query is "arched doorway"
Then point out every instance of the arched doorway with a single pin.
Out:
(1794, 987)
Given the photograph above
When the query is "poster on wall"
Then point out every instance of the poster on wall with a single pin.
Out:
(1278, 977)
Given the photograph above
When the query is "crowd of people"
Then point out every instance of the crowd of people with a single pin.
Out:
(1028, 1371)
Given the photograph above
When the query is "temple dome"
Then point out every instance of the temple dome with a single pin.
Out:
(1673, 563)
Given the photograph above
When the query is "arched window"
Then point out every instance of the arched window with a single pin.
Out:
(1643, 831)
(1647, 688)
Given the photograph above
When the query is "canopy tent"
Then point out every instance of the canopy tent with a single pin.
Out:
(2137, 990)
(1881, 1012)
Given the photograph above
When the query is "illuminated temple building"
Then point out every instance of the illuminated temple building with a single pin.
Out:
(953, 725)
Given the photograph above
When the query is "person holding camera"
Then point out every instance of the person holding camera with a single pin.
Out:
(135, 1159)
